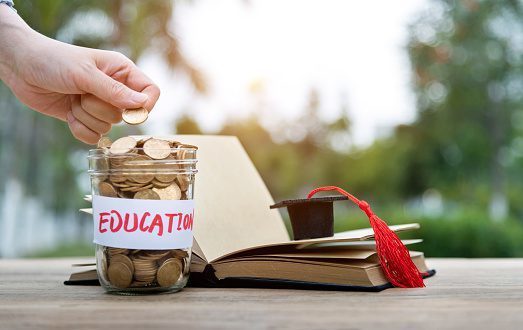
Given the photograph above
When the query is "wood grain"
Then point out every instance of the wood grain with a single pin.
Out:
(464, 294)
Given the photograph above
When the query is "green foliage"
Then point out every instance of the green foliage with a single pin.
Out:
(467, 64)
(66, 250)
(467, 233)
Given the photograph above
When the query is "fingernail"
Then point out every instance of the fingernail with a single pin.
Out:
(70, 117)
(139, 98)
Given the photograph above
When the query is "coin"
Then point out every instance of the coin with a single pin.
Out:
(142, 140)
(157, 149)
(115, 178)
(135, 116)
(144, 270)
(122, 145)
(187, 146)
(114, 251)
(104, 142)
(179, 254)
(107, 190)
(119, 275)
(130, 188)
(121, 184)
(155, 254)
(169, 272)
(168, 178)
(149, 186)
(142, 177)
(159, 184)
(123, 259)
(126, 194)
(183, 181)
(146, 194)
(172, 192)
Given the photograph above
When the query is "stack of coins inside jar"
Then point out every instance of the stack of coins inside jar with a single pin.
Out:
(142, 168)
(127, 268)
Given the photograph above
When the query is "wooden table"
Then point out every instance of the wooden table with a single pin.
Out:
(464, 294)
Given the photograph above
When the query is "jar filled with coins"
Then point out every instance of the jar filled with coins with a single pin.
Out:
(143, 213)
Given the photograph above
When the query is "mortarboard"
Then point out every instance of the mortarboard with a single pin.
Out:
(311, 217)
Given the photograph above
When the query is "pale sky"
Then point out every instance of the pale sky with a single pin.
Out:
(345, 49)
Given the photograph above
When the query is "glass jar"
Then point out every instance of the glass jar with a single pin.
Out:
(143, 214)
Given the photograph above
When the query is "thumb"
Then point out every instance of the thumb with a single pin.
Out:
(113, 92)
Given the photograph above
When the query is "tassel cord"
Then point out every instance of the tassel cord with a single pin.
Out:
(394, 257)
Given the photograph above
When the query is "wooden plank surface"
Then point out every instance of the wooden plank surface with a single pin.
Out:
(464, 294)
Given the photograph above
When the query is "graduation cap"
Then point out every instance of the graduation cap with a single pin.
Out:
(311, 217)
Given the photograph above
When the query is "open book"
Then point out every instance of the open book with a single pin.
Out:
(239, 241)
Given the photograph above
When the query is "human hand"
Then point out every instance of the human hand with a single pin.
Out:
(88, 88)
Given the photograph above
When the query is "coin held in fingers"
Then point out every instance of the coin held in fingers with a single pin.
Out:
(135, 116)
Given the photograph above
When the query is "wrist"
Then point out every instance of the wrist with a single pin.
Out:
(14, 32)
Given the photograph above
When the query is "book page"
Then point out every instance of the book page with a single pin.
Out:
(347, 236)
(231, 200)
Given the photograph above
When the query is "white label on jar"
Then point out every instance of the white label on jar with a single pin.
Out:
(143, 224)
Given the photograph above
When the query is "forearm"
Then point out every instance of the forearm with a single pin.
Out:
(14, 34)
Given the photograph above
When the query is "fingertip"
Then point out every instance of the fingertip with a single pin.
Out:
(153, 92)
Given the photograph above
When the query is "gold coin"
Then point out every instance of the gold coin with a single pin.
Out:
(117, 178)
(143, 265)
(104, 142)
(137, 189)
(141, 166)
(146, 194)
(167, 178)
(126, 194)
(123, 259)
(135, 116)
(144, 270)
(130, 188)
(154, 254)
(118, 161)
(187, 146)
(181, 154)
(107, 190)
(121, 184)
(131, 183)
(142, 177)
(172, 192)
(139, 161)
(119, 275)
(122, 146)
(183, 181)
(159, 184)
(142, 140)
(114, 251)
(149, 186)
(179, 254)
(156, 149)
(169, 272)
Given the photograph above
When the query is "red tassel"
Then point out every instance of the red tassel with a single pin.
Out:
(394, 256)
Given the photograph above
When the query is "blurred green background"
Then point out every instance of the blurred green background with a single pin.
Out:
(455, 168)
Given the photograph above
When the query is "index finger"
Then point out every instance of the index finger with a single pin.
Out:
(122, 69)
(140, 82)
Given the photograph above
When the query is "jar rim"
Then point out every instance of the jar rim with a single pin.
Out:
(150, 166)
